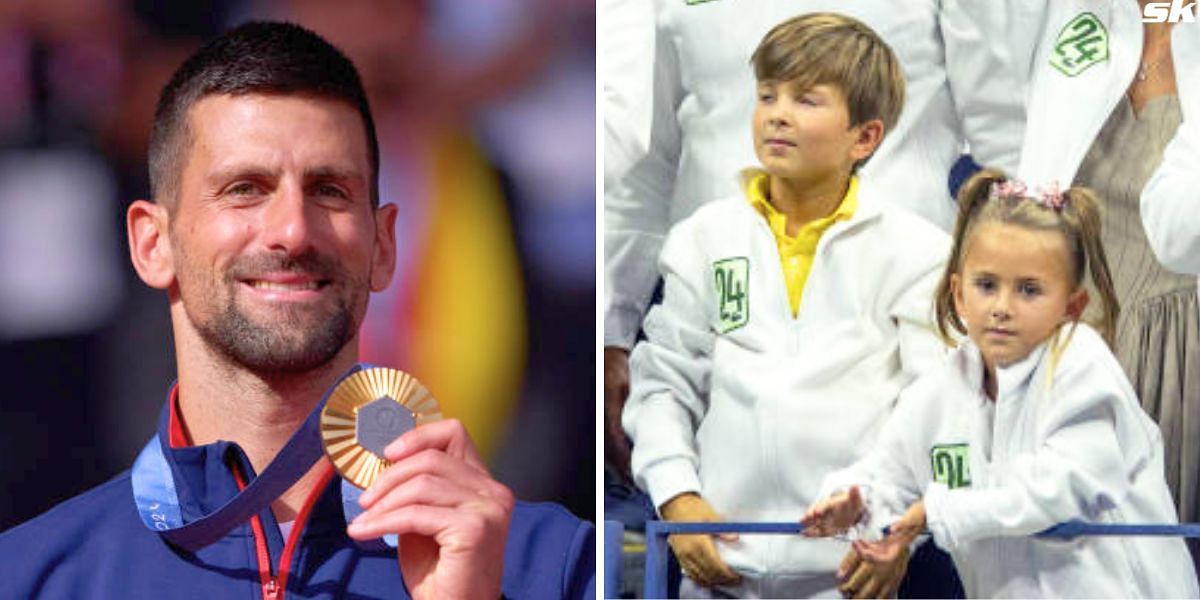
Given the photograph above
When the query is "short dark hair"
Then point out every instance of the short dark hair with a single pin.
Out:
(257, 57)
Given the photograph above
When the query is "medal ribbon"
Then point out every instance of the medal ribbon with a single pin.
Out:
(157, 499)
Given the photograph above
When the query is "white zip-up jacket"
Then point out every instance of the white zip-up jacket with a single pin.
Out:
(960, 86)
(1074, 445)
(1085, 55)
(734, 398)
(1171, 199)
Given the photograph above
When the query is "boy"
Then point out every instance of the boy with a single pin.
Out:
(791, 319)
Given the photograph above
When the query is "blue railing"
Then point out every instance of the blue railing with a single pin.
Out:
(657, 532)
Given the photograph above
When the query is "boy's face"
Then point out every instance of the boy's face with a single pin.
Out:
(805, 135)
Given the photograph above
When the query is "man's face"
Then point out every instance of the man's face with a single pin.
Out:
(273, 237)
(803, 135)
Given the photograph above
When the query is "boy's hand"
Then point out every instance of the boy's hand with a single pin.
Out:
(834, 514)
(860, 578)
(697, 554)
(902, 533)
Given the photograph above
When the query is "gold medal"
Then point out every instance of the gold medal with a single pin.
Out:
(365, 412)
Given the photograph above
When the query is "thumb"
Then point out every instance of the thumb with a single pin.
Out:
(855, 497)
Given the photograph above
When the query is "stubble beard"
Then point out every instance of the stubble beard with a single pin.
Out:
(296, 339)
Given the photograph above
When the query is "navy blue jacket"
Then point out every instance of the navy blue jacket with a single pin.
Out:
(96, 546)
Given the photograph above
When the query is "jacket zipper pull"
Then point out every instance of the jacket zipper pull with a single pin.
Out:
(271, 590)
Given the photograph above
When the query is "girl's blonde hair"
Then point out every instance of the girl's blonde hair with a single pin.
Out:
(1077, 217)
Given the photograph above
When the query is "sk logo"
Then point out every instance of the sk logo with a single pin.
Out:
(1169, 12)
(732, 278)
(1081, 44)
(951, 465)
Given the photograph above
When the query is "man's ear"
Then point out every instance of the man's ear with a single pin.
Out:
(870, 134)
(1077, 303)
(147, 224)
(383, 265)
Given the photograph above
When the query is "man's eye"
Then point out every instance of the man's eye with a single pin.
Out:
(244, 188)
(329, 191)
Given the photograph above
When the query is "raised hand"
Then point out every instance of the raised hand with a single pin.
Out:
(451, 516)
(833, 515)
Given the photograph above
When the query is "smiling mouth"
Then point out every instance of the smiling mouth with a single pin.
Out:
(287, 287)
(779, 142)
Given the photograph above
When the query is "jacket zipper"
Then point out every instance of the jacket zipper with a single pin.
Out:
(274, 585)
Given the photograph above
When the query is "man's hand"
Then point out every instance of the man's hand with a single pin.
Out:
(616, 390)
(899, 538)
(834, 514)
(697, 554)
(452, 517)
(860, 578)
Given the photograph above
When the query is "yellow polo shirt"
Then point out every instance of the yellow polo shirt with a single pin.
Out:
(796, 252)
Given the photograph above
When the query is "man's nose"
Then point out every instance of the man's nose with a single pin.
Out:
(287, 222)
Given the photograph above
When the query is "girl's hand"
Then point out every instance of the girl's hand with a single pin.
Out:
(858, 578)
(834, 514)
(902, 533)
(697, 554)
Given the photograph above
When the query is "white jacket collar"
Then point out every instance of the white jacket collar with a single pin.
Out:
(1012, 380)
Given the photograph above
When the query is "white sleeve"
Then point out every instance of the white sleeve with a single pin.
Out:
(1078, 469)
(638, 187)
(1171, 199)
(985, 83)
(885, 476)
(627, 39)
(920, 347)
(670, 375)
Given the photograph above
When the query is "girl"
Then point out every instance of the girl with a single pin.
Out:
(1030, 423)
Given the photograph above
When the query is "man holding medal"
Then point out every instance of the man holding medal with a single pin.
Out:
(267, 234)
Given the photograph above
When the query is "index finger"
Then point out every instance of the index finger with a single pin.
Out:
(446, 435)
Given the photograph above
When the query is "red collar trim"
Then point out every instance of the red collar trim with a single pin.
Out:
(176, 436)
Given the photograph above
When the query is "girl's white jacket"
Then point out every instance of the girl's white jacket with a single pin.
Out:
(1074, 445)
(1066, 112)
(754, 418)
(677, 135)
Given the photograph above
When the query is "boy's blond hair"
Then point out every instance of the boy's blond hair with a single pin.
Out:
(832, 49)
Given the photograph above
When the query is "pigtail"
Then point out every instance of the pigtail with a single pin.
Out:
(971, 196)
(1082, 210)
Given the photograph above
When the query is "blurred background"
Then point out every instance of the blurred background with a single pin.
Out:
(486, 119)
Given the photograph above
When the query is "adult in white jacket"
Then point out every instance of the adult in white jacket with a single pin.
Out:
(753, 407)
(1171, 199)
(1053, 447)
(688, 116)
(1104, 100)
